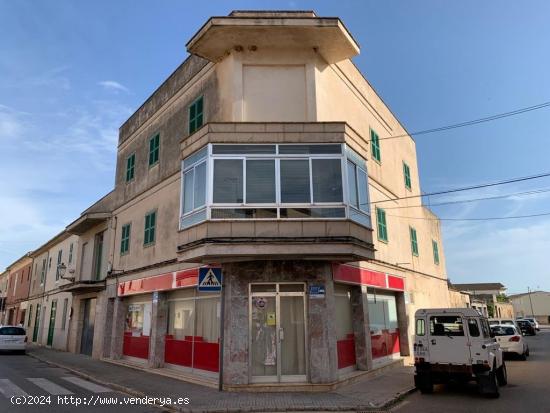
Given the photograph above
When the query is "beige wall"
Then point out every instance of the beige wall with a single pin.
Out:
(458, 299)
(64, 246)
(540, 300)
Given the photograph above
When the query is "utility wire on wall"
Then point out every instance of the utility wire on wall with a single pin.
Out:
(473, 219)
(472, 122)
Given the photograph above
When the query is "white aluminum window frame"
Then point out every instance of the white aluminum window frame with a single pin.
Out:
(210, 158)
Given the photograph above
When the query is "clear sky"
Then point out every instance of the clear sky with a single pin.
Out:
(72, 71)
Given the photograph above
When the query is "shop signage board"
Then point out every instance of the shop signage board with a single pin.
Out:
(317, 291)
(210, 279)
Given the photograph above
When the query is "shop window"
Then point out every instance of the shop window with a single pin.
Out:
(383, 321)
(345, 341)
(193, 331)
(137, 330)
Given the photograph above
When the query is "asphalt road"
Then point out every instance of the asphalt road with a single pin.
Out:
(528, 388)
(50, 389)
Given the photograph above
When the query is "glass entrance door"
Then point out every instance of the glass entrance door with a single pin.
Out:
(277, 333)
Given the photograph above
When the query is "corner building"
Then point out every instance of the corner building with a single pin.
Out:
(264, 155)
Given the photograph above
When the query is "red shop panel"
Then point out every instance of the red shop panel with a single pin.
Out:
(136, 346)
(178, 352)
(394, 340)
(356, 275)
(206, 356)
(385, 343)
(396, 283)
(346, 352)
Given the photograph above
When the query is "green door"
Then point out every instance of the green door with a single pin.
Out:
(36, 321)
(52, 323)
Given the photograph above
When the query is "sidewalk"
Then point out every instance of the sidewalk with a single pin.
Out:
(373, 393)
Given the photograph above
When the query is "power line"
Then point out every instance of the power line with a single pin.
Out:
(468, 188)
(474, 219)
(462, 201)
(472, 122)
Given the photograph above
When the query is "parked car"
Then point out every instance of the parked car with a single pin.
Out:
(526, 327)
(534, 321)
(457, 344)
(511, 340)
(13, 338)
(499, 321)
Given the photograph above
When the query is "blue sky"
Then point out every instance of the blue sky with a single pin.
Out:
(72, 72)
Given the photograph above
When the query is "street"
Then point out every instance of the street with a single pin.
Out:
(51, 389)
(527, 390)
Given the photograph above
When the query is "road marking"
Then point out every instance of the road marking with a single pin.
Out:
(88, 385)
(50, 386)
(8, 389)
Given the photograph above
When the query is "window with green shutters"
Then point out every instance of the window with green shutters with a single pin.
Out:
(414, 241)
(125, 239)
(375, 144)
(130, 167)
(150, 223)
(154, 149)
(436, 252)
(196, 115)
(407, 175)
(381, 225)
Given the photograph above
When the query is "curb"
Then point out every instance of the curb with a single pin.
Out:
(177, 409)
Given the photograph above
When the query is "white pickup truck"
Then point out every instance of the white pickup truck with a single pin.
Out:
(456, 344)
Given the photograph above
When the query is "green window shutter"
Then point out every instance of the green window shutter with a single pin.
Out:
(130, 167)
(149, 233)
(125, 239)
(196, 115)
(375, 143)
(436, 252)
(381, 225)
(154, 149)
(407, 175)
(414, 241)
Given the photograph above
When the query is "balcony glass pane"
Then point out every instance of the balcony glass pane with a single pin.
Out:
(188, 191)
(327, 180)
(363, 191)
(260, 181)
(295, 181)
(310, 149)
(228, 181)
(305, 213)
(244, 213)
(200, 185)
(352, 184)
(243, 149)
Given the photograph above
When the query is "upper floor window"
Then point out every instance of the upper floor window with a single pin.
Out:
(196, 115)
(269, 181)
(59, 258)
(125, 239)
(435, 248)
(70, 259)
(375, 145)
(407, 175)
(414, 241)
(149, 228)
(131, 166)
(43, 272)
(154, 149)
(381, 225)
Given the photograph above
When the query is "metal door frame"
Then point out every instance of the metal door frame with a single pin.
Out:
(278, 378)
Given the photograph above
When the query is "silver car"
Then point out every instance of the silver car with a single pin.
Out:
(13, 338)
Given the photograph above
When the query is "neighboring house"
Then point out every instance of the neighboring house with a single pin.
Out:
(492, 294)
(19, 274)
(534, 303)
(56, 303)
(4, 276)
(457, 298)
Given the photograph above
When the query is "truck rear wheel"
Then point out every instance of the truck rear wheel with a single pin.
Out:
(488, 384)
(424, 383)
(502, 375)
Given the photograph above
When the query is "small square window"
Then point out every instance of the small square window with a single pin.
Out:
(154, 149)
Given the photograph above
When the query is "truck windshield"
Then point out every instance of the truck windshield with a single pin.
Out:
(447, 325)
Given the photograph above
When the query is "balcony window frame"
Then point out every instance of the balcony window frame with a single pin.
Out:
(272, 151)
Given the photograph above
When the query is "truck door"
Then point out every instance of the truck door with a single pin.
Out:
(448, 341)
